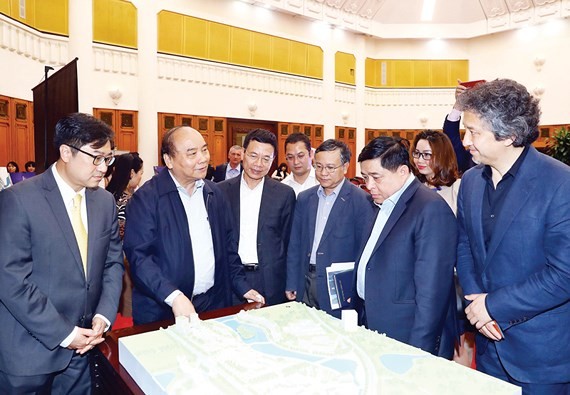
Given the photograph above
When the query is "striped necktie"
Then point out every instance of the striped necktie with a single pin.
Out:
(79, 230)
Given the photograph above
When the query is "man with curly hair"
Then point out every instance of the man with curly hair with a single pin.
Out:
(514, 241)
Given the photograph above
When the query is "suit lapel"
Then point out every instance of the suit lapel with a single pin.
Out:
(92, 225)
(235, 185)
(266, 195)
(396, 213)
(54, 199)
(312, 208)
(476, 213)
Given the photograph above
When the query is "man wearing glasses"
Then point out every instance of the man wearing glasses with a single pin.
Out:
(61, 265)
(299, 155)
(263, 212)
(328, 227)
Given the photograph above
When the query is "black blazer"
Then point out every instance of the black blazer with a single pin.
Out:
(274, 226)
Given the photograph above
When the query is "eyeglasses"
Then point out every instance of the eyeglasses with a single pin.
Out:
(97, 159)
(425, 155)
(320, 168)
(264, 159)
(300, 156)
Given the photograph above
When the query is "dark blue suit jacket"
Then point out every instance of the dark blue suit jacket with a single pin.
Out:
(341, 240)
(44, 292)
(273, 228)
(526, 270)
(158, 247)
(410, 293)
(464, 158)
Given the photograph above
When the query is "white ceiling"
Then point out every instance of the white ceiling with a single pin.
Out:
(451, 18)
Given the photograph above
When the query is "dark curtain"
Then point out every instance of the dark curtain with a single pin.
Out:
(53, 98)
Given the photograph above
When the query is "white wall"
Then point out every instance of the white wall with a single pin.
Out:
(195, 87)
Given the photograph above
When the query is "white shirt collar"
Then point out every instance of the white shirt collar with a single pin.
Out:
(393, 199)
(258, 186)
(198, 184)
(67, 192)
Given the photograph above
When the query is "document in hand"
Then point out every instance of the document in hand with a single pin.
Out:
(339, 282)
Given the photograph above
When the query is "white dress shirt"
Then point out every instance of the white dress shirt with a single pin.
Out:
(310, 182)
(249, 205)
(200, 238)
(326, 203)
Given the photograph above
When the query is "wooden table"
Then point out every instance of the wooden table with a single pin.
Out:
(109, 376)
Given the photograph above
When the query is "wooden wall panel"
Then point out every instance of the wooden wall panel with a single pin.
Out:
(218, 140)
(421, 73)
(282, 133)
(5, 132)
(348, 136)
(127, 131)
(345, 66)
(115, 23)
(199, 38)
(213, 129)
(125, 125)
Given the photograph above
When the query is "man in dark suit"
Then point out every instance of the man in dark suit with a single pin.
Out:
(232, 168)
(61, 265)
(404, 275)
(451, 129)
(514, 242)
(263, 212)
(328, 227)
(179, 237)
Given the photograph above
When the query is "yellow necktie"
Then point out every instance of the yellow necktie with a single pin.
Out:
(79, 230)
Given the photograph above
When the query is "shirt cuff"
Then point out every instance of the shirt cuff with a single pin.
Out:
(107, 322)
(67, 341)
(170, 298)
(454, 115)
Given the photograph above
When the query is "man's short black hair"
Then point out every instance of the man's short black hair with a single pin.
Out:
(261, 136)
(80, 129)
(391, 152)
(332, 145)
(298, 137)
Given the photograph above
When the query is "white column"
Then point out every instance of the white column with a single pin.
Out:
(81, 46)
(147, 84)
(360, 102)
(328, 111)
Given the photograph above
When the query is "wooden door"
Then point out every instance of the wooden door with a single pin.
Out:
(348, 136)
(22, 134)
(318, 136)
(125, 125)
(218, 140)
(5, 131)
(283, 132)
(126, 138)
(16, 131)
(167, 121)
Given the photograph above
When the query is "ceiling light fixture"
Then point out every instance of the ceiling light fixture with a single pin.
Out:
(427, 10)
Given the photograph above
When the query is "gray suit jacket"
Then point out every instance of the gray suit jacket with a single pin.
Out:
(43, 288)
(273, 228)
